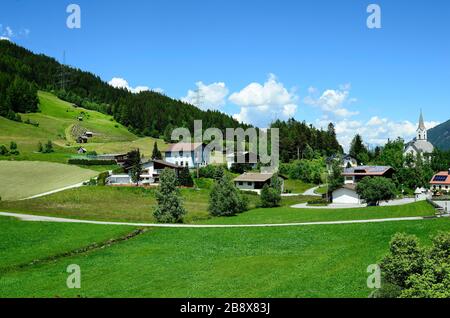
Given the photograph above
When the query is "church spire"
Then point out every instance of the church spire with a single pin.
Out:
(421, 122)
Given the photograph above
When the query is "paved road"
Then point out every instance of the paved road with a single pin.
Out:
(55, 191)
(311, 192)
(36, 218)
(353, 206)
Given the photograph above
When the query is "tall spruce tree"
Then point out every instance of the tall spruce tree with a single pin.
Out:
(170, 206)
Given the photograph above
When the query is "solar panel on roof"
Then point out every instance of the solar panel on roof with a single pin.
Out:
(440, 178)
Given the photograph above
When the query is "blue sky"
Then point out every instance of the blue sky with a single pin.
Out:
(260, 60)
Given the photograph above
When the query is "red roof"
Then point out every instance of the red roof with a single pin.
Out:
(442, 177)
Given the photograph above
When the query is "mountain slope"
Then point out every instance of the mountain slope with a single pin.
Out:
(147, 113)
(56, 120)
(439, 136)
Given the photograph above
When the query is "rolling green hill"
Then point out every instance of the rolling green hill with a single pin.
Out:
(58, 120)
(439, 136)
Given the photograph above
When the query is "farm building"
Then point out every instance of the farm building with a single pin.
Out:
(82, 139)
(255, 181)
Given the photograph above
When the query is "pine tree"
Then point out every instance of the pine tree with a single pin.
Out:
(185, 178)
(170, 206)
(225, 199)
(156, 155)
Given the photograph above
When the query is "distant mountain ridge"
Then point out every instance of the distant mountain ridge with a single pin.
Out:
(439, 136)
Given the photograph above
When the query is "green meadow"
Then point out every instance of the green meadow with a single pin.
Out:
(131, 204)
(302, 261)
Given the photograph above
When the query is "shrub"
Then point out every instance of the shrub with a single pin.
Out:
(13, 148)
(170, 207)
(225, 199)
(4, 151)
(374, 190)
(271, 194)
(212, 172)
(185, 178)
(318, 202)
(101, 179)
(91, 162)
(48, 148)
(410, 271)
(40, 147)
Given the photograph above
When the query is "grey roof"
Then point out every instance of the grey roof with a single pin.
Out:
(422, 146)
(369, 170)
(254, 177)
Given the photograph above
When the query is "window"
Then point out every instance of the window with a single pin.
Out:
(249, 183)
(182, 163)
(187, 164)
(241, 183)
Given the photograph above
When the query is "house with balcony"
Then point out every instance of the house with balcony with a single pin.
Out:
(151, 170)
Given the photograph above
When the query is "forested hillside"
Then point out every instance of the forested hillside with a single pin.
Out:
(147, 113)
(439, 136)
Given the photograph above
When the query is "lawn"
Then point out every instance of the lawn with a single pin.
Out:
(22, 179)
(292, 215)
(131, 204)
(306, 261)
(25, 242)
(297, 186)
(126, 204)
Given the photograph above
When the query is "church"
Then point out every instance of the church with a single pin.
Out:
(420, 144)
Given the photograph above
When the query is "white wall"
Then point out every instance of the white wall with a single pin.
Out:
(245, 185)
(345, 196)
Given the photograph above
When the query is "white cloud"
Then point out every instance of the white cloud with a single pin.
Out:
(118, 82)
(7, 33)
(332, 101)
(262, 103)
(375, 131)
(4, 38)
(212, 96)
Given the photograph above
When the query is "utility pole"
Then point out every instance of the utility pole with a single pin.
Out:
(62, 75)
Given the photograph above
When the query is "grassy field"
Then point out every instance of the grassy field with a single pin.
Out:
(297, 186)
(56, 119)
(127, 204)
(130, 204)
(313, 261)
(22, 179)
(292, 215)
(25, 242)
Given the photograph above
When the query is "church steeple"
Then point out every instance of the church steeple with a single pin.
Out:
(421, 131)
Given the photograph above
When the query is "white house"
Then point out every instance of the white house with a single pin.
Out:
(256, 181)
(251, 159)
(420, 144)
(151, 171)
(187, 155)
(346, 195)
